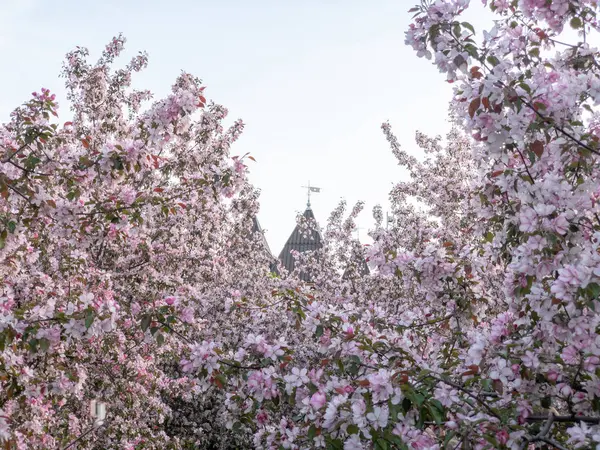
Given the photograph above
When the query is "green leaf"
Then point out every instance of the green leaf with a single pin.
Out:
(160, 339)
(576, 22)
(436, 414)
(456, 29)
(352, 429)
(535, 52)
(472, 50)
(312, 431)
(145, 323)
(319, 331)
(449, 436)
(33, 344)
(594, 290)
(381, 444)
(89, 318)
(468, 26)
(493, 60)
(12, 226)
(335, 444)
(525, 87)
(546, 402)
(44, 344)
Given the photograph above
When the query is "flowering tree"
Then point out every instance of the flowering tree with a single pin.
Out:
(118, 230)
(479, 329)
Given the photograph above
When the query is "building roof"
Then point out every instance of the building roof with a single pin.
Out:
(301, 242)
(256, 228)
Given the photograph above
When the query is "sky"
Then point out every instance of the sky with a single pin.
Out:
(313, 80)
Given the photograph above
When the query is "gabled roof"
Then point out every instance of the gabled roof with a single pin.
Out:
(301, 242)
(256, 228)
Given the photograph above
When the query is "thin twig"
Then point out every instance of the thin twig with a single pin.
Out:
(563, 419)
(80, 437)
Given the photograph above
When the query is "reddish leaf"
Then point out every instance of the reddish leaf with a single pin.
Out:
(51, 203)
(474, 106)
(486, 102)
(474, 368)
(158, 189)
(475, 73)
(67, 124)
(252, 158)
(497, 173)
(218, 382)
(402, 377)
(85, 143)
(498, 387)
(538, 148)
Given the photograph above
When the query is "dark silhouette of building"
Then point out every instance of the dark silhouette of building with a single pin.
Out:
(301, 241)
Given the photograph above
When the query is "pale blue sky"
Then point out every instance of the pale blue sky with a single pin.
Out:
(312, 80)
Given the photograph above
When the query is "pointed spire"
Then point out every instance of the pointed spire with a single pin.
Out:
(256, 228)
(300, 241)
(310, 189)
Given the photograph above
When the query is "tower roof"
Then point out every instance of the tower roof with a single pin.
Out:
(256, 228)
(301, 241)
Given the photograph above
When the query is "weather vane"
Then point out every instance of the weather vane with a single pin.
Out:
(310, 189)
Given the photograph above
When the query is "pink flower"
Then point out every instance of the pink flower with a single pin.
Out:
(318, 400)
(187, 315)
(552, 375)
(528, 219)
(570, 355)
(502, 436)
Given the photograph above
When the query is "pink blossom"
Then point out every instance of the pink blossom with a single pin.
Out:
(318, 400)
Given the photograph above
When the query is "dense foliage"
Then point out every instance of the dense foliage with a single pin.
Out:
(131, 275)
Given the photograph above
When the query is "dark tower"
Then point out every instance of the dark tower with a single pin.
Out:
(301, 242)
(257, 229)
